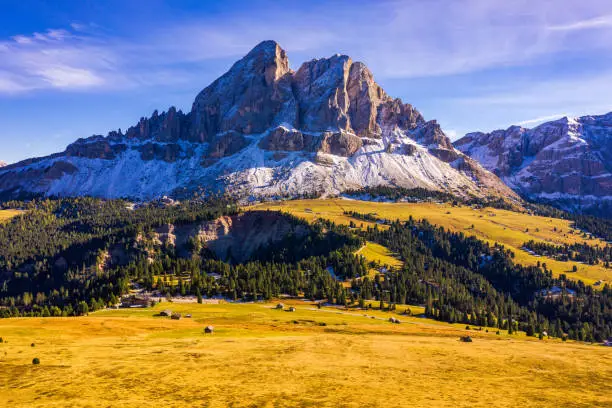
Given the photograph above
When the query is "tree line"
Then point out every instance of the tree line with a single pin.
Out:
(54, 261)
(578, 252)
(458, 277)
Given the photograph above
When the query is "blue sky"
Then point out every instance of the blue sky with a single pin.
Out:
(70, 69)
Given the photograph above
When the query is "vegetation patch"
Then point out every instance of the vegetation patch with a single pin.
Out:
(6, 215)
(509, 228)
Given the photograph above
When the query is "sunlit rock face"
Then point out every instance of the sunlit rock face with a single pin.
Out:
(263, 130)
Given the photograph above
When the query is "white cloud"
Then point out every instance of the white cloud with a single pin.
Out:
(59, 59)
(541, 119)
(401, 39)
(21, 39)
(85, 58)
(78, 26)
(69, 77)
(597, 22)
(10, 85)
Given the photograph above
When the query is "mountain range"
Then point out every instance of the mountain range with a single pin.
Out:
(263, 130)
(567, 162)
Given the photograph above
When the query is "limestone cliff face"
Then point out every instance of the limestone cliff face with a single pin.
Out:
(264, 130)
(239, 236)
(283, 139)
(340, 144)
(567, 159)
(298, 110)
(95, 148)
(260, 92)
(248, 98)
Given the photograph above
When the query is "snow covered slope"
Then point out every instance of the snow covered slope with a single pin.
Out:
(567, 161)
(262, 130)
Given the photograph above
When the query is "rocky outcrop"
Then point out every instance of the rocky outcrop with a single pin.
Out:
(227, 144)
(566, 160)
(340, 144)
(2, 164)
(431, 134)
(407, 149)
(95, 147)
(234, 238)
(283, 139)
(240, 236)
(170, 126)
(394, 113)
(168, 152)
(264, 130)
(320, 86)
(36, 178)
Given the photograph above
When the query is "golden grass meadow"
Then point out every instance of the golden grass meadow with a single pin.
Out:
(262, 357)
(330, 357)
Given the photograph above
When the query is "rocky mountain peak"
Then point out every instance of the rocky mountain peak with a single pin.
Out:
(334, 94)
(270, 57)
(262, 129)
(567, 160)
(248, 98)
(2, 164)
(327, 94)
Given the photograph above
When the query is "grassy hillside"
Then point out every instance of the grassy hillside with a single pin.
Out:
(8, 214)
(509, 228)
(310, 358)
(373, 252)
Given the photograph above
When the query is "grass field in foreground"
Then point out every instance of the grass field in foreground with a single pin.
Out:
(8, 214)
(261, 357)
(492, 225)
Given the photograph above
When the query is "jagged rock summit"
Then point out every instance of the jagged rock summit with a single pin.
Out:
(566, 161)
(263, 130)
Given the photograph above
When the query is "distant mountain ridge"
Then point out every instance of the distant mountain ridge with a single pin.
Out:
(262, 130)
(566, 161)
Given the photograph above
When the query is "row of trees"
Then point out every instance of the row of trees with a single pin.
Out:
(578, 252)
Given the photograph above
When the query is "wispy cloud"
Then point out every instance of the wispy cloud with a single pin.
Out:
(68, 77)
(397, 39)
(541, 119)
(591, 91)
(576, 96)
(597, 22)
(56, 59)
